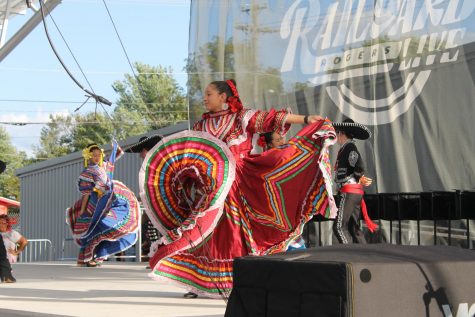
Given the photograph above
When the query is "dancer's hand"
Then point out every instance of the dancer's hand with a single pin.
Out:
(13, 252)
(365, 181)
(314, 118)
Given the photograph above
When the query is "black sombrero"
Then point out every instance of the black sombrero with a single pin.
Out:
(145, 142)
(3, 166)
(358, 131)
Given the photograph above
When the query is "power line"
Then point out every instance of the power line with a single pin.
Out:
(99, 72)
(103, 72)
(47, 101)
(172, 3)
(99, 99)
(65, 101)
(70, 51)
(139, 85)
(130, 122)
(24, 137)
(70, 113)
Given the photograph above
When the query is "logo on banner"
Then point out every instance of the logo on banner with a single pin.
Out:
(360, 39)
(463, 310)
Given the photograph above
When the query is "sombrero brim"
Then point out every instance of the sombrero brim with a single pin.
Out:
(358, 131)
(147, 143)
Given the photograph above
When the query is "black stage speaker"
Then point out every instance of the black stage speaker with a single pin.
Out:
(356, 280)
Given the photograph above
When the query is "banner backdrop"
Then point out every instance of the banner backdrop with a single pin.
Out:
(404, 68)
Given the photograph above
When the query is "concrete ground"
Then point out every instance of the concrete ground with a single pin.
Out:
(115, 289)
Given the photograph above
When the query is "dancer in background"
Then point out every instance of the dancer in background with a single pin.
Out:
(350, 179)
(144, 145)
(14, 242)
(5, 267)
(106, 219)
(213, 201)
(149, 233)
(272, 140)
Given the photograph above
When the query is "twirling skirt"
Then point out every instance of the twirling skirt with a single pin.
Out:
(211, 209)
(112, 228)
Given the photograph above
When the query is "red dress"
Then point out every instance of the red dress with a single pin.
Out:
(215, 201)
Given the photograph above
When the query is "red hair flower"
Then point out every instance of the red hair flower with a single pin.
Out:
(233, 101)
(262, 141)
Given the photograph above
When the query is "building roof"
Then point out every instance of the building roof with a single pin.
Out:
(77, 156)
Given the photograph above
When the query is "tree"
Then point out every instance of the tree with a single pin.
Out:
(151, 100)
(67, 134)
(215, 60)
(207, 56)
(55, 138)
(91, 128)
(148, 102)
(9, 183)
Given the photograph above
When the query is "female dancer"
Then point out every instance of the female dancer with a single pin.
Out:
(106, 219)
(213, 201)
(14, 242)
(272, 140)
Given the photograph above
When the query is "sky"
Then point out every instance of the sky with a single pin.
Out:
(33, 84)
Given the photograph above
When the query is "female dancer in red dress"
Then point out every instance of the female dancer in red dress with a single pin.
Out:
(213, 201)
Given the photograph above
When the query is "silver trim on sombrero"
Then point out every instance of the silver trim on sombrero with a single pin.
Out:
(148, 138)
(353, 125)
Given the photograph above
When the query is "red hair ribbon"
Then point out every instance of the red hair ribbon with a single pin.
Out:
(262, 142)
(233, 101)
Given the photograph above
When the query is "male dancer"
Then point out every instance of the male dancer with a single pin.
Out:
(149, 233)
(350, 179)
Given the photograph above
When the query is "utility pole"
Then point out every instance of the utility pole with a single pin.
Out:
(253, 30)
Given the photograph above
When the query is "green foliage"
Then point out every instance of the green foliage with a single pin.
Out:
(55, 138)
(150, 101)
(219, 68)
(215, 60)
(91, 128)
(9, 183)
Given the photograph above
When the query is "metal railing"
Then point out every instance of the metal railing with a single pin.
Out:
(37, 250)
(63, 247)
(137, 251)
(421, 218)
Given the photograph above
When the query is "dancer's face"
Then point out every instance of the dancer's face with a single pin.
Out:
(213, 100)
(96, 156)
(3, 225)
(143, 154)
(277, 140)
(341, 137)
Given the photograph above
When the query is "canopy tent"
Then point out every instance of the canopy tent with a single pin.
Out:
(12, 8)
(6, 203)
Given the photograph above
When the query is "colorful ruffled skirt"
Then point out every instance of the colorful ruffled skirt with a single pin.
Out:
(112, 227)
(211, 209)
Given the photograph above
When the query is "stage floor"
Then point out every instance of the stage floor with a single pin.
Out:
(115, 289)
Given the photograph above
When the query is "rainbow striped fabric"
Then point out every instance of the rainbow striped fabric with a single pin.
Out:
(111, 220)
(212, 209)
